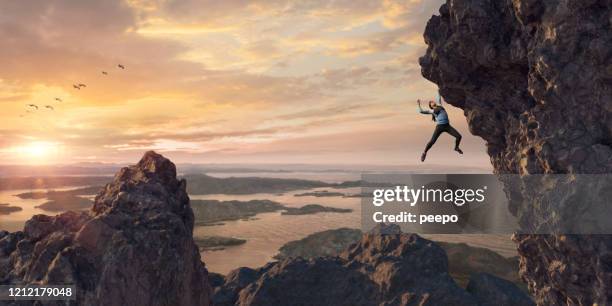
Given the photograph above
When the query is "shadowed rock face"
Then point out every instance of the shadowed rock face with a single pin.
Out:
(134, 247)
(534, 80)
(390, 269)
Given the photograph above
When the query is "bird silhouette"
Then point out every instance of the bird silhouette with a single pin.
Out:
(59, 100)
(104, 72)
(121, 66)
(49, 107)
(33, 106)
(76, 86)
(82, 85)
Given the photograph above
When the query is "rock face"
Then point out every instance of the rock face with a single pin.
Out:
(390, 269)
(320, 244)
(463, 260)
(534, 80)
(134, 247)
(493, 291)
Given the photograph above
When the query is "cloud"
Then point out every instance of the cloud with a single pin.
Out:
(208, 77)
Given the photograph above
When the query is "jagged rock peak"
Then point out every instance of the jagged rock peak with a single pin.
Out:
(151, 184)
(135, 247)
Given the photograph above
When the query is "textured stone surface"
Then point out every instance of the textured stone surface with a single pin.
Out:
(492, 291)
(534, 79)
(135, 247)
(391, 269)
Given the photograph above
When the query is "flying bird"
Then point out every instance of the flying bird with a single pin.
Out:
(59, 100)
(104, 72)
(76, 86)
(82, 85)
(121, 66)
(33, 106)
(49, 107)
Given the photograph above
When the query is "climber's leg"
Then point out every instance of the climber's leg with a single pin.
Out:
(451, 130)
(439, 129)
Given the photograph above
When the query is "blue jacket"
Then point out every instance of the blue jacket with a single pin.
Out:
(438, 113)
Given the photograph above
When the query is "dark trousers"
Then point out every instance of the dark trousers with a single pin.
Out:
(440, 128)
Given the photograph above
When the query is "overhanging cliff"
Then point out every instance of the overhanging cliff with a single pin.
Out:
(534, 79)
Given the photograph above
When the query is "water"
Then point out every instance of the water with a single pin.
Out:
(268, 231)
(15, 221)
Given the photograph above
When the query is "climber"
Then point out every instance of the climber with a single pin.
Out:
(439, 115)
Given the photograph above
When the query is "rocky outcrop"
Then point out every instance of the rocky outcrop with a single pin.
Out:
(380, 269)
(320, 244)
(534, 80)
(463, 260)
(135, 246)
(493, 291)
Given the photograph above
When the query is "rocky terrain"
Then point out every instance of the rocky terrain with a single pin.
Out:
(463, 260)
(134, 247)
(320, 244)
(379, 269)
(534, 80)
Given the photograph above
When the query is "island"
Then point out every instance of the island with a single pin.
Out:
(313, 209)
(216, 243)
(51, 194)
(20, 183)
(323, 193)
(61, 203)
(204, 184)
(6, 209)
(208, 212)
(320, 244)
(212, 212)
(197, 184)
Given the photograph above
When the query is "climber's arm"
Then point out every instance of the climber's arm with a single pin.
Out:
(421, 110)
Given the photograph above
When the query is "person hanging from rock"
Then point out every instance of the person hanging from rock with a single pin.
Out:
(439, 115)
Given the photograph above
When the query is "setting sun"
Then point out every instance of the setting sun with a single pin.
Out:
(37, 152)
(39, 149)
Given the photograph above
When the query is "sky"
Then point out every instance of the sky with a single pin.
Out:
(234, 81)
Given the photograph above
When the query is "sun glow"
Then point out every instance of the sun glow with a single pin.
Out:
(37, 152)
